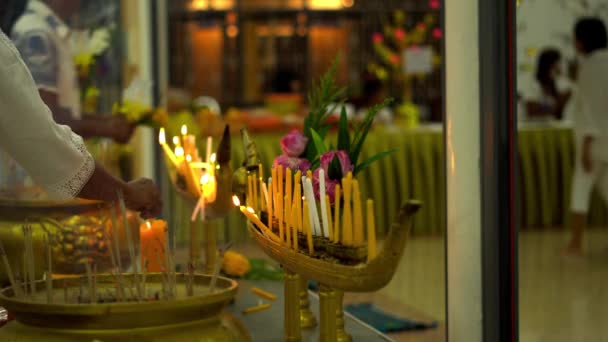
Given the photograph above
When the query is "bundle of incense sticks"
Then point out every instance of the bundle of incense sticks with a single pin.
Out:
(291, 201)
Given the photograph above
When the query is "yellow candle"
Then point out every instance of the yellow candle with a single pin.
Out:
(163, 142)
(256, 308)
(307, 229)
(270, 196)
(294, 228)
(261, 170)
(256, 198)
(275, 190)
(280, 195)
(287, 222)
(347, 226)
(263, 195)
(358, 216)
(296, 201)
(265, 294)
(191, 179)
(250, 214)
(371, 231)
(249, 199)
(288, 212)
(337, 214)
(309, 174)
(329, 225)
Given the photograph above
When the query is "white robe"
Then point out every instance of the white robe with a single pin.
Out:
(54, 156)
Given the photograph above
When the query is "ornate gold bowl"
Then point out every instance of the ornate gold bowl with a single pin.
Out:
(196, 318)
(75, 228)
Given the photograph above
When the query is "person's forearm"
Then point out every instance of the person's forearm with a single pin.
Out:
(102, 186)
(86, 127)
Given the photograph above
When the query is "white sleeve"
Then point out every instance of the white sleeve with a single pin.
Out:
(52, 154)
(591, 92)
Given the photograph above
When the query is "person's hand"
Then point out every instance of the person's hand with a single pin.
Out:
(143, 196)
(587, 161)
(121, 129)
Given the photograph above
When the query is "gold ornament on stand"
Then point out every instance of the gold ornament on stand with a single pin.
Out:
(301, 234)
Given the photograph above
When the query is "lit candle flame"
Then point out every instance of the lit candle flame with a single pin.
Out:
(235, 200)
(179, 151)
(250, 209)
(148, 225)
(184, 130)
(213, 157)
(188, 158)
(175, 140)
(161, 136)
(205, 179)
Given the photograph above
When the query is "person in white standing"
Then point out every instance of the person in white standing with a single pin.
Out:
(54, 156)
(590, 125)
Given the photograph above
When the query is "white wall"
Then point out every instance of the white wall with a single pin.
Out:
(549, 23)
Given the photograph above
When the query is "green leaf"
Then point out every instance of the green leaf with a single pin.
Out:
(343, 134)
(335, 169)
(363, 129)
(318, 141)
(371, 160)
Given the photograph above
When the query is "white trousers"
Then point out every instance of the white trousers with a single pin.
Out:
(583, 183)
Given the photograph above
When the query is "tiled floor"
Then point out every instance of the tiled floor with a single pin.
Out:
(561, 299)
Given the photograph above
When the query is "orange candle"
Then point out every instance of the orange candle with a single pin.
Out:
(153, 241)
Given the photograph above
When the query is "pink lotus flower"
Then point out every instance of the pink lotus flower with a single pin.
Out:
(330, 186)
(294, 143)
(328, 157)
(292, 163)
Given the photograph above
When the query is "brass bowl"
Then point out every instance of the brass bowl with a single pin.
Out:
(75, 228)
(184, 318)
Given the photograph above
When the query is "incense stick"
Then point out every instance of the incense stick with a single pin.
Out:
(87, 267)
(11, 277)
(49, 271)
(116, 246)
(216, 268)
(134, 261)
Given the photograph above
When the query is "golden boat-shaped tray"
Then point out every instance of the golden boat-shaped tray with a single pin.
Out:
(120, 315)
(363, 277)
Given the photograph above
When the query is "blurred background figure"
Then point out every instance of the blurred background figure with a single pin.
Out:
(549, 94)
(41, 35)
(590, 125)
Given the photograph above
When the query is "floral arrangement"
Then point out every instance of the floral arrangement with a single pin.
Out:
(87, 47)
(134, 108)
(307, 150)
(396, 37)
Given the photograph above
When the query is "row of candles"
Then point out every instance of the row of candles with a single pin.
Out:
(289, 201)
(199, 175)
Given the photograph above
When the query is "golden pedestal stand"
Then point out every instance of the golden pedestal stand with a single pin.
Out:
(334, 277)
(307, 318)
